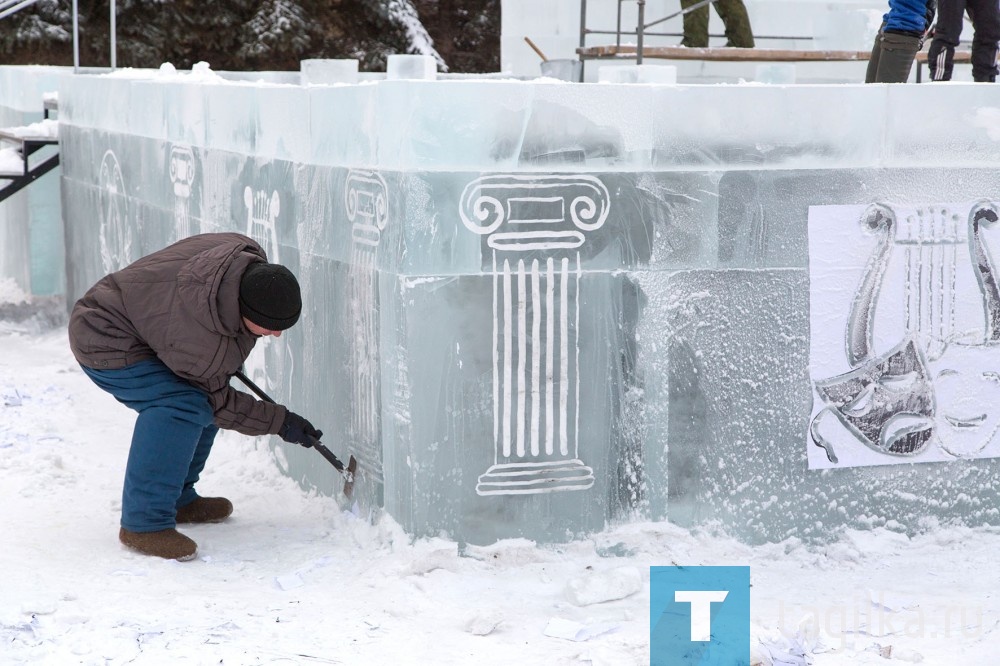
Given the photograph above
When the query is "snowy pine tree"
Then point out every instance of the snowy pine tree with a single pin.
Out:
(29, 32)
(257, 34)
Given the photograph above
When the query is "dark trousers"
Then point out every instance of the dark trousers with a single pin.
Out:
(985, 15)
(892, 57)
(172, 438)
(734, 17)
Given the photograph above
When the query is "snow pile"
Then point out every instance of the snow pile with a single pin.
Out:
(10, 293)
(201, 72)
(11, 160)
(43, 129)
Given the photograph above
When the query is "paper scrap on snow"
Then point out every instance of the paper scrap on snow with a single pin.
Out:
(890, 602)
(791, 649)
(289, 581)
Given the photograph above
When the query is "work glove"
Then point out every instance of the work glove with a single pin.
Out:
(296, 430)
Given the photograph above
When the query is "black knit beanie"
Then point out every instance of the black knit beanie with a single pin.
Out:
(269, 296)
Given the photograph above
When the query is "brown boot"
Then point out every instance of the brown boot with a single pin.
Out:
(205, 510)
(168, 544)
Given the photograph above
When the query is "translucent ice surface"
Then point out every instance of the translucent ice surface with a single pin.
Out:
(31, 248)
(534, 308)
(410, 67)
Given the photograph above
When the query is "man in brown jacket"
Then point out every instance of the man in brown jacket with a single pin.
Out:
(164, 336)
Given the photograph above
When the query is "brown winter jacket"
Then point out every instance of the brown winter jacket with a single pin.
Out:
(179, 305)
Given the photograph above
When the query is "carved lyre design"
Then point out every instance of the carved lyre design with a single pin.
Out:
(985, 213)
(263, 210)
(927, 387)
(115, 235)
(861, 322)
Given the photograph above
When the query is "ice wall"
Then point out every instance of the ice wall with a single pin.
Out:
(31, 249)
(532, 308)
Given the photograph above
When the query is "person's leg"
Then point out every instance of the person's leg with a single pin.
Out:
(695, 25)
(871, 74)
(173, 417)
(201, 452)
(896, 52)
(734, 16)
(163, 446)
(947, 32)
(985, 15)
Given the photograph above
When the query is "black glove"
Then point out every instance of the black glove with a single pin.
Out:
(297, 430)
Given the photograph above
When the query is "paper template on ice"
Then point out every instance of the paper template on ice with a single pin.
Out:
(904, 333)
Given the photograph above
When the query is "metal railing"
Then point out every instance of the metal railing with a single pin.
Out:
(112, 32)
(642, 31)
(8, 7)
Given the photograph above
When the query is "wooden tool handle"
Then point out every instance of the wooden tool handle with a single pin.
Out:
(536, 49)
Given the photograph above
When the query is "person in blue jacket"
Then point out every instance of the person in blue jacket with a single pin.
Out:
(902, 34)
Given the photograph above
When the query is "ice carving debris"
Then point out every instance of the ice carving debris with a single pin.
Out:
(442, 558)
(484, 623)
(899, 654)
(11, 398)
(574, 631)
(41, 605)
(598, 587)
(508, 553)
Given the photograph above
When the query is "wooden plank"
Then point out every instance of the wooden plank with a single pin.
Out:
(725, 53)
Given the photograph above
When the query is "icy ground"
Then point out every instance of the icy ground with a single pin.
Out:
(292, 578)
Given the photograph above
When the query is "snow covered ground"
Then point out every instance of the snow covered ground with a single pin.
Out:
(293, 578)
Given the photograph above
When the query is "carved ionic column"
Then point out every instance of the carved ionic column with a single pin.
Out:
(182, 172)
(366, 203)
(535, 226)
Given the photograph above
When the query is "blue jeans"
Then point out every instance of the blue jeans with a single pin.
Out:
(173, 436)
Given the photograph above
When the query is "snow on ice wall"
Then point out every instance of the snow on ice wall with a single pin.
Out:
(532, 307)
(30, 225)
